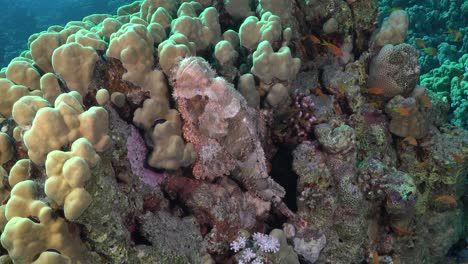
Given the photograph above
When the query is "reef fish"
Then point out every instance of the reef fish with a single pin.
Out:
(411, 140)
(430, 51)
(401, 230)
(426, 101)
(456, 34)
(333, 48)
(421, 43)
(375, 257)
(447, 198)
(460, 78)
(313, 39)
(402, 111)
(376, 90)
(457, 158)
(317, 91)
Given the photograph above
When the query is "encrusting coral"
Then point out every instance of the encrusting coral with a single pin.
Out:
(170, 132)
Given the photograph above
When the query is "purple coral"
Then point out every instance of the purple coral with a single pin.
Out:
(136, 154)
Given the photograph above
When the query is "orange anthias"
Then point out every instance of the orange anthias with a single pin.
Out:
(314, 39)
(375, 257)
(401, 230)
(333, 48)
(402, 111)
(411, 140)
(376, 90)
(426, 101)
(317, 91)
(457, 158)
(447, 198)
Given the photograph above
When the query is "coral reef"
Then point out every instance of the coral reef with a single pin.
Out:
(232, 131)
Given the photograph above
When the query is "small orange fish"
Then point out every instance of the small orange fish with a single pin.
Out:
(375, 257)
(421, 43)
(457, 158)
(447, 198)
(460, 78)
(430, 51)
(426, 101)
(456, 34)
(376, 90)
(333, 48)
(338, 109)
(401, 230)
(319, 92)
(402, 111)
(314, 39)
(411, 140)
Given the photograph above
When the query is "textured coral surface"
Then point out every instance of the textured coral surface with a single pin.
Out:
(233, 131)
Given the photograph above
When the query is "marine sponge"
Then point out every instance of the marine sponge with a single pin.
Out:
(393, 30)
(65, 123)
(395, 69)
(67, 173)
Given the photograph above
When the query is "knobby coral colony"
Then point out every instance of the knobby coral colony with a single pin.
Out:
(168, 131)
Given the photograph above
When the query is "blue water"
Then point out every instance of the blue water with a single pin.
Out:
(22, 18)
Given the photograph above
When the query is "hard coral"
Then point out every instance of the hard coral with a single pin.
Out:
(299, 123)
(395, 69)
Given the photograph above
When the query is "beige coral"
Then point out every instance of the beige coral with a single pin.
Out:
(65, 123)
(32, 228)
(22, 72)
(269, 65)
(67, 173)
(133, 46)
(42, 48)
(74, 63)
(10, 93)
(6, 148)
